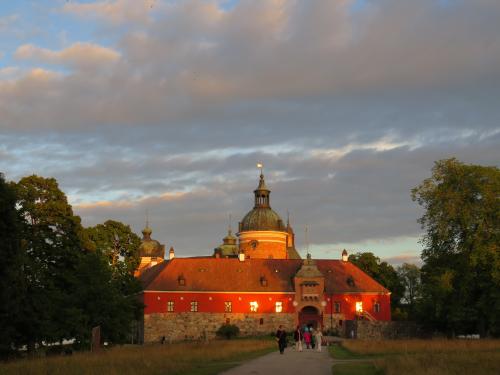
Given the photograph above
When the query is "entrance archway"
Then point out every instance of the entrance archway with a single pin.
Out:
(310, 316)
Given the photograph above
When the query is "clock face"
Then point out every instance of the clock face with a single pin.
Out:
(254, 244)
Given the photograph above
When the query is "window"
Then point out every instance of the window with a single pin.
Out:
(336, 307)
(376, 307)
(170, 306)
(254, 306)
(359, 307)
(194, 306)
(181, 280)
(261, 321)
(228, 306)
(279, 306)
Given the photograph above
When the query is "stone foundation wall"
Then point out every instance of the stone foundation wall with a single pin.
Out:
(197, 325)
(367, 330)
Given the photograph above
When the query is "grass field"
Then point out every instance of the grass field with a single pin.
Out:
(422, 357)
(181, 358)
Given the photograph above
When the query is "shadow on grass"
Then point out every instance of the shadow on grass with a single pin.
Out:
(356, 369)
(338, 352)
(216, 367)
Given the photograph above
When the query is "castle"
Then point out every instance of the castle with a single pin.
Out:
(255, 280)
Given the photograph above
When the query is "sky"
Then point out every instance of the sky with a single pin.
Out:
(167, 106)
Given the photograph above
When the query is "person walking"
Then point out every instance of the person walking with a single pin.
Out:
(307, 337)
(297, 336)
(281, 339)
(313, 337)
(319, 338)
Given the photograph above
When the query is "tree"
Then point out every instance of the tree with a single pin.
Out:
(10, 268)
(461, 270)
(409, 276)
(116, 248)
(382, 272)
(51, 243)
(117, 243)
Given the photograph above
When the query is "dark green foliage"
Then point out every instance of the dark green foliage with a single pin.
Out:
(10, 267)
(57, 280)
(382, 272)
(461, 271)
(228, 331)
(409, 276)
(118, 243)
(51, 245)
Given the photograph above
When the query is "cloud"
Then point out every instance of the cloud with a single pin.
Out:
(78, 55)
(170, 108)
(115, 11)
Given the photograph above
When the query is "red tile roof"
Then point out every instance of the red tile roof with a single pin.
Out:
(231, 275)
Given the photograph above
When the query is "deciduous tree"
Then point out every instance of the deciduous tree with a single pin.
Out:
(461, 271)
(382, 272)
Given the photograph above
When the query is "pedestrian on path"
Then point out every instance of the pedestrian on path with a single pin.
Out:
(307, 337)
(319, 338)
(297, 336)
(281, 339)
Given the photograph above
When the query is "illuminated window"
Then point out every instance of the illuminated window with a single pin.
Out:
(170, 306)
(359, 306)
(194, 306)
(254, 306)
(279, 306)
(228, 306)
(336, 307)
(376, 307)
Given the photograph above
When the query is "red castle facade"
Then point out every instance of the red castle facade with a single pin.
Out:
(256, 280)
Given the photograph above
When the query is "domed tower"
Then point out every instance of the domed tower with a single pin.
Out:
(262, 233)
(229, 247)
(151, 251)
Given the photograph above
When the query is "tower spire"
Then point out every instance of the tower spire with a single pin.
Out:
(262, 192)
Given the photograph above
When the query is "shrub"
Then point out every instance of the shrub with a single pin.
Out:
(228, 331)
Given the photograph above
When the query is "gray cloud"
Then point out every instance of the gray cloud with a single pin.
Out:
(347, 109)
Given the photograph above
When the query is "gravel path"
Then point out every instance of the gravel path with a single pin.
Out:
(290, 363)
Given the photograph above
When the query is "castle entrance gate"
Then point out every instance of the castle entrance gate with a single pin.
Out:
(310, 316)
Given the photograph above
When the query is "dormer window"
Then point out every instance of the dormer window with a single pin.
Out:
(263, 281)
(181, 280)
(350, 282)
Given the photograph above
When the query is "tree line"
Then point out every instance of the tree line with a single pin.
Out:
(457, 288)
(57, 278)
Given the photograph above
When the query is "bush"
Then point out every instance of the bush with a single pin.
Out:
(228, 331)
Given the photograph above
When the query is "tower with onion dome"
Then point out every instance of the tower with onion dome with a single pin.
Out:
(262, 233)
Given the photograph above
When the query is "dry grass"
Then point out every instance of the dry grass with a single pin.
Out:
(432, 357)
(182, 358)
(420, 346)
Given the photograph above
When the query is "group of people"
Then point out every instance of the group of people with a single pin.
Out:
(311, 337)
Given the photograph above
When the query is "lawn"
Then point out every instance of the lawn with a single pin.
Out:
(422, 357)
(179, 358)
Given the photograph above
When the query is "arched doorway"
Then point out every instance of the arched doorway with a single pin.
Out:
(310, 316)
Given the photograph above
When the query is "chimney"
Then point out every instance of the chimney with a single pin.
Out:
(241, 257)
(171, 253)
(345, 256)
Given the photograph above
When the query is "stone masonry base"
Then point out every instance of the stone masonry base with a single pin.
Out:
(197, 325)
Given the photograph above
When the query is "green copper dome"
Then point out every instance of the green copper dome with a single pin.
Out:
(262, 217)
(150, 247)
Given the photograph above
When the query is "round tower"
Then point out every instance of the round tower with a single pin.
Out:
(262, 233)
